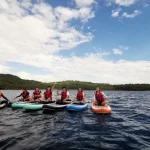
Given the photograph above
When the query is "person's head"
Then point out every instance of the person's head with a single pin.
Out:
(48, 88)
(64, 89)
(98, 89)
(24, 89)
(80, 90)
(37, 89)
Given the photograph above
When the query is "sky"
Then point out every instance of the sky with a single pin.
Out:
(102, 41)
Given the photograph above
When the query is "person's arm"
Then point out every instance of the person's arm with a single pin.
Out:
(67, 96)
(18, 96)
(83, 97)
(5, 97)
(58, 93)
(94, 98)
(105, 96)
(53, 86)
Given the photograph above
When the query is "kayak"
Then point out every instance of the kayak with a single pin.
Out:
(101, 109)
(77, 106)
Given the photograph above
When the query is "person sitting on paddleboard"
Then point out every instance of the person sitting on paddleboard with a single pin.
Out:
(80, 96)
(37, 95)
(99, 97)
(25, 95)
(2, 96)
(64, 95)
(48, 93)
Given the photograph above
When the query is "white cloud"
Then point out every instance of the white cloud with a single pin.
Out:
(125, 2)
(108, 4)
(133, 15)
(39, 28)
(97, 70)
(145, 5)
(84, 3)
(117, 51)
(124, 47)
(33, 36)
(4, 69)
(115, 13)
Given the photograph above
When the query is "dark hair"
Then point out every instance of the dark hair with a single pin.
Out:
(24, 88)
(81, 89)
(48, 87)
(64, 88)
(99, 88)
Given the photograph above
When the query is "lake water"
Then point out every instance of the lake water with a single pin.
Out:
(128, 127)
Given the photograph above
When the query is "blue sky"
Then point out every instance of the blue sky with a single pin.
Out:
(90, 40)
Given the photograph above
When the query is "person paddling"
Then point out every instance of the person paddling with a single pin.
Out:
(2, 96)
(80, 96)
(48, 93)
(99, 97)
(64, 95)
(37, 95)
(25, 95)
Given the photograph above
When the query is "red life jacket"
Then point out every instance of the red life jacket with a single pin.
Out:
(48, 94)
(80, 96)
(63, 95)
(99, 96)
(37, 94)
(25, 95)
(1, 94)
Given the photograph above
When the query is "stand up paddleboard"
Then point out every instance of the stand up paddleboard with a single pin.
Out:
(101, 109)
(77, 106)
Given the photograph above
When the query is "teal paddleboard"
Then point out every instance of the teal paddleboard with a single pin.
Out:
(33, 107)
(19, 104)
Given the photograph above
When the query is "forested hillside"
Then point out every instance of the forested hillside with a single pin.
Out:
(8, 81)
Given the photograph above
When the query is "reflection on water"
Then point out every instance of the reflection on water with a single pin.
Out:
(128, 127)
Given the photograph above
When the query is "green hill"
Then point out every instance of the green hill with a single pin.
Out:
(8, 81)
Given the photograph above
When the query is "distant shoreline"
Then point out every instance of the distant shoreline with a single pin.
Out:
(11, 82)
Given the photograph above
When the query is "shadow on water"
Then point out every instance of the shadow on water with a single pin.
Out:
(128, 127)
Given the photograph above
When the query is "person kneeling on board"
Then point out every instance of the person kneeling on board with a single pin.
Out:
(48, 93)
(99, 98)
(6, 99)
(25, 95)
(80, 96)
(37, 95)
(64, 95)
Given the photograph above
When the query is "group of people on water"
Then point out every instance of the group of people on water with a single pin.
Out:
(99, 97)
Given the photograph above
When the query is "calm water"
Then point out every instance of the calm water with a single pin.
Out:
(128, 127)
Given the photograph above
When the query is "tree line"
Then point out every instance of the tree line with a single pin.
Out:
(8, 81)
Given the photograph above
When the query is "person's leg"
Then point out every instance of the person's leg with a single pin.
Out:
(103, 103)
(74, 99)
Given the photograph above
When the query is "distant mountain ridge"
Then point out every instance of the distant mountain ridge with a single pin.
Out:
(8, 81)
